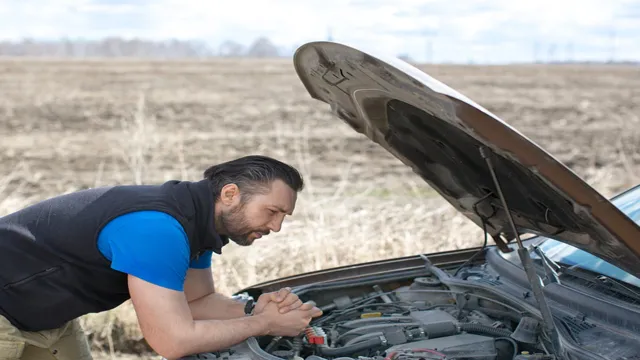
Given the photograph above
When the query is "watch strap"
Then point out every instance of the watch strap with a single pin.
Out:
(248, 307)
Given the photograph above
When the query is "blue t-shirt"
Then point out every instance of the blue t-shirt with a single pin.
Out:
(151, 245)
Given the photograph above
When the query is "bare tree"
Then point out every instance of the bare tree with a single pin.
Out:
(262, 48)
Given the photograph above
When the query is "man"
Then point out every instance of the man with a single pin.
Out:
(91, 250)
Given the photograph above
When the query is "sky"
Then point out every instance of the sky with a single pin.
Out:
(480, 31)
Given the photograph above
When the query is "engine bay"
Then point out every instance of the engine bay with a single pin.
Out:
(463, 312)
(435, 315)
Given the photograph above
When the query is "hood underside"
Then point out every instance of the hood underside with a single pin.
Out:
(438, 132)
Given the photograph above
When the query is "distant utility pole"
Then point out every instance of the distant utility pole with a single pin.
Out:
(429, 36)
(612, 50)
(569, 52)
(329, 34)
(551, 51)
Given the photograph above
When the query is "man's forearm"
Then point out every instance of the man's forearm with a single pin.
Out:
(213, 335)
(216, 306)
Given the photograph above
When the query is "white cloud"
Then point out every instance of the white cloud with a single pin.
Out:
(498, 30)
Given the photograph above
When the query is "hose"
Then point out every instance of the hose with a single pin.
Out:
(272, 343)
(500, 313)
(297, 345)
(513, 343)
(348, 350)
(483, 329)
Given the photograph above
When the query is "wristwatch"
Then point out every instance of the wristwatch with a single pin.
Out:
(248, 307)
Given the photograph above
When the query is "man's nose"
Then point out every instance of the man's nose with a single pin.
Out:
(276, 224)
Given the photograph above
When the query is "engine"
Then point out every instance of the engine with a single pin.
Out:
(421, 334)
(421, 320)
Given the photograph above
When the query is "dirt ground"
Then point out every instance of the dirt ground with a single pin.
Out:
(68, 125)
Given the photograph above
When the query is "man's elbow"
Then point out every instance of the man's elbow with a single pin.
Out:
(170, 350)
(172, 355)
(169, 343)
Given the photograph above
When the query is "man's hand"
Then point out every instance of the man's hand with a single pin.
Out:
(291, 323)
(285, 299)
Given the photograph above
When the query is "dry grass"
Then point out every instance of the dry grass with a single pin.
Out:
(72, 125)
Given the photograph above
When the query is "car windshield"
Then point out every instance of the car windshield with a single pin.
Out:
(629, 203)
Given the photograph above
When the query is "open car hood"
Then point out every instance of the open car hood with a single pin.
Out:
(438, 132)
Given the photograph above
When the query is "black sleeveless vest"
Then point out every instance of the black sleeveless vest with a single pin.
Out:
(51, 270)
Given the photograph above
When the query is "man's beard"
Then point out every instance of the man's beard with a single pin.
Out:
(237, 226)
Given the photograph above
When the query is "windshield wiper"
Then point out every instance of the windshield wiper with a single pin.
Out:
(554, 271)
(551, 268)
(617, 285)
(601, 280)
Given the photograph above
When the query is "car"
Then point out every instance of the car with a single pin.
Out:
(560, 279)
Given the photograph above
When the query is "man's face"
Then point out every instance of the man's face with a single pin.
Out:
(247, 220)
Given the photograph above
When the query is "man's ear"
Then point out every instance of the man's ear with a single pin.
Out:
(229, 194)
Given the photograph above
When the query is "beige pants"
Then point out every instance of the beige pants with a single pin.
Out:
(66, 343)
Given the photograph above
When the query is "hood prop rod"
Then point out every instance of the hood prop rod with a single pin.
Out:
(534, 280)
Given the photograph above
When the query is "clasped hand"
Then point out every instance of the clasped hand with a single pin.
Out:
(286, 314)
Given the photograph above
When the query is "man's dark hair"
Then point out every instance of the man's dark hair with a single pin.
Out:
(253, 175)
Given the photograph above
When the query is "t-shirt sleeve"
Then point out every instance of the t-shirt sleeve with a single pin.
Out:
(149, 245)
(202, 262)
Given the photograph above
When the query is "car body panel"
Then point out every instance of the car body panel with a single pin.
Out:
(438, 132)
(372, 268)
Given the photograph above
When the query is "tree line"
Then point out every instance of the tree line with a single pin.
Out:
(118, 47)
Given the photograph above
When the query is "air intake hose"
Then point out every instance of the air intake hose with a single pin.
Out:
(350, 349)
(483, 329)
